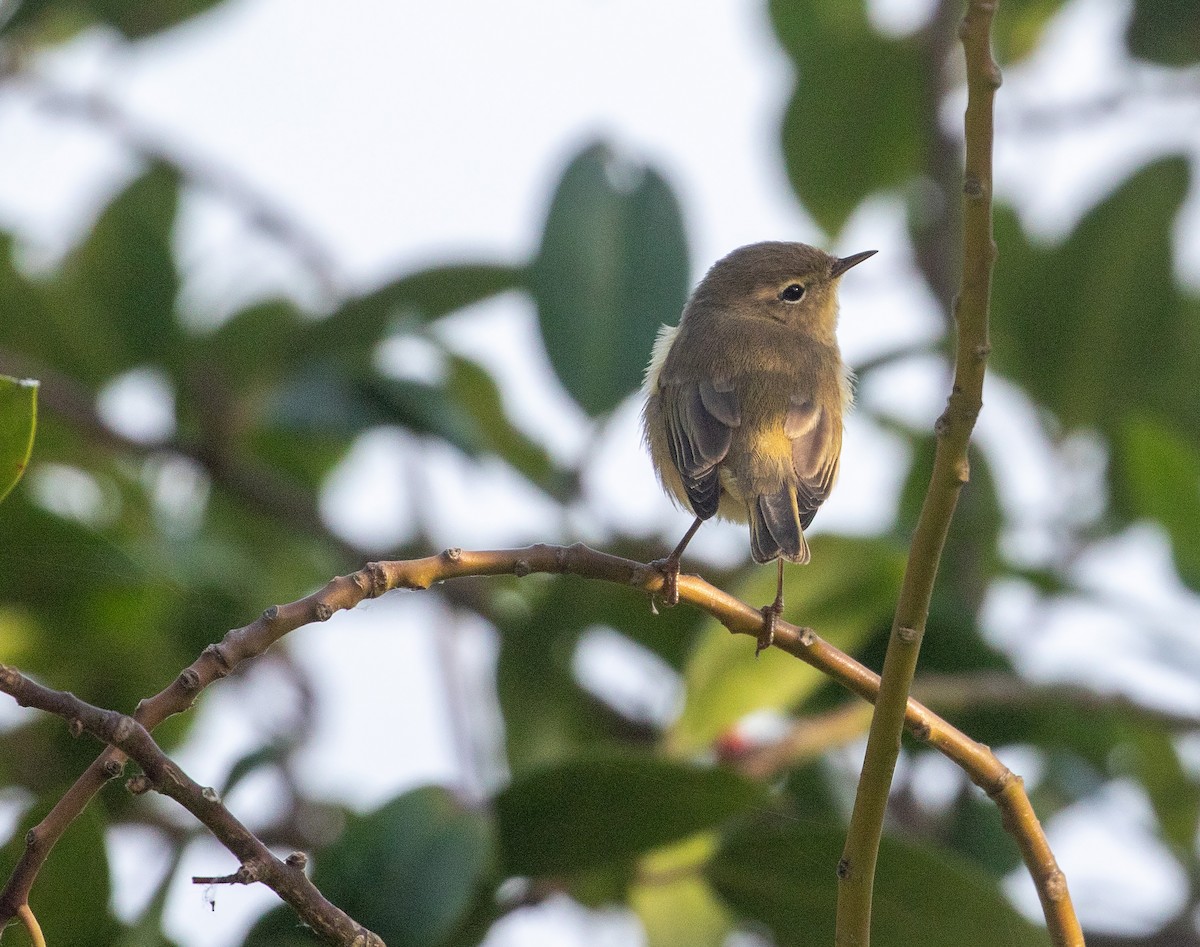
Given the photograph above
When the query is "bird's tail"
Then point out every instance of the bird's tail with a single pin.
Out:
(775, 527)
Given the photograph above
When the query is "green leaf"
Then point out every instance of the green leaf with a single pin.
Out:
(477, 396)
(124, 275)
(135, 19)
(612, 268)
(591, 812)
(352, 333)
(1162, 482)
(674, 901)
(1173, 793)
(548, 717)
(1096, 329)
(112, 306)
(846, 594)
(783, 875)
(408, 871)
(853, 125)
(18, 422)
(1165, 31)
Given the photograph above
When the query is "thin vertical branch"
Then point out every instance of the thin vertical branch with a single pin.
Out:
(856, 870)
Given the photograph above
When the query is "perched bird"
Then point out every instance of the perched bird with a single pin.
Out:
(744, 401)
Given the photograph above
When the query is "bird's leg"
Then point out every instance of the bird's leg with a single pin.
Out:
(771, 614)
(669, 567)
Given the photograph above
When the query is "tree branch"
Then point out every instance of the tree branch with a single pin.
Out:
(287, 879)
(344, 592)
(856, 870)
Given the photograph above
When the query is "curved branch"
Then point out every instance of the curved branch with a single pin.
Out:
(344, 592)
(287, 879)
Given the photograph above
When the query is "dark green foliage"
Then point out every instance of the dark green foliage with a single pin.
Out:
(592, 812)
(783, 872)
(109, 590)
(612, 268)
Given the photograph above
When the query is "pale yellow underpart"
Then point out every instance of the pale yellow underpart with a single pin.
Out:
(732, 504)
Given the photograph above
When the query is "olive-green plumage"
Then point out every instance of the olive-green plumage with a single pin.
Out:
(745, 397)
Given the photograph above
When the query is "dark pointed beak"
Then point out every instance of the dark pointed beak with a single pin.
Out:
(840, 266)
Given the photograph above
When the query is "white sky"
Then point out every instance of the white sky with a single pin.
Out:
(409, 133)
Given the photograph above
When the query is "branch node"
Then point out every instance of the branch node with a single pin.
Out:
(139, 785)
(189, 680)
(297, 860)
(843, 869)
(906, 634)
(224, 665)
(1056, 884)
(962, 471)
(1001, 782)
(521, 568)
(208, 794)
(453, 554)
(270, 613)
(921, 730)
(982, 352)
(972, 186)
(75, 727)
(941, 427)
(376, 578)
(322, 611)
(124, 729)
(113, 768)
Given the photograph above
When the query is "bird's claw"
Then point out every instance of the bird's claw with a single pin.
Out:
(669, 593)
(766, 634)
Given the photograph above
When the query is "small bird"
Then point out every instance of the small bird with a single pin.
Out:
(744, 401)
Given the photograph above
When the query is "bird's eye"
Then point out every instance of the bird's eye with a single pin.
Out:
(792, 293)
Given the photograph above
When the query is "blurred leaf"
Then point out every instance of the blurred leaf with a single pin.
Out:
(121, 283)
(548, 717)
(673, 900)
(1162, 476)
(612, 268)
(1165, 31)
(1095, 328)
(591, 812)
(477, 396)
(1019, 25)
(852, 126)
(352, 333)
(135, 19)
(408, 871)
(845, 594)
(782, 874)
(1173, 793)
(251, 350)
(112, 305)
(18, 422)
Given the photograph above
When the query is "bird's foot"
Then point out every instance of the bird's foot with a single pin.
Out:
(766, 634)
(669, 567)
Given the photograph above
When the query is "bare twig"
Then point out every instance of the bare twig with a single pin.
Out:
(287, 879)
(34, 929)
(344, 592)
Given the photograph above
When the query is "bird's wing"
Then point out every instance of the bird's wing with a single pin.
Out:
(816, 435)
(701, 416)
